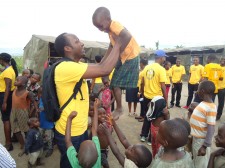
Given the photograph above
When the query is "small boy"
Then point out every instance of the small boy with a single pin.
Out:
(203, 120)
(217, 158)
(136, 155)
(157, 112)
(33, 85)
(34, 143)
(173, 135)
(26, 72)
(46, 129)
(127, 69)
(89, 154)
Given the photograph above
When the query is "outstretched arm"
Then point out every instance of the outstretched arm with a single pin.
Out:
(106, 65)
(94, 127)
(68, 129)
(112, 144)
(120, 135)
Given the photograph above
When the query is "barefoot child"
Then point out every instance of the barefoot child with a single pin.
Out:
(89, 153)
(126, 71)
(34, 143)
(172, 135)
(21, 100)
(203, 120)
(136, 155)
(217, 158)
(157, 113)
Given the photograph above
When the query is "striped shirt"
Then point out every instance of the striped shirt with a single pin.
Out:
(6, 161)
(203, 114)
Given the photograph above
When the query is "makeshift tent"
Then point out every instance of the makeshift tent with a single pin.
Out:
(41, 48)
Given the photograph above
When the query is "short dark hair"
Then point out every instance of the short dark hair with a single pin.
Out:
(98, 58)
(144, 61)
(207, 86)
(8, 58)
(60, 42)
(101, 11)
(144, 158)
(185, 123)
(176, 133)
(36, 73)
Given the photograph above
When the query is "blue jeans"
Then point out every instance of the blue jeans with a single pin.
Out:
(76, 141)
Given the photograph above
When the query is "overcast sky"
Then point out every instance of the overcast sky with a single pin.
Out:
(171, 22)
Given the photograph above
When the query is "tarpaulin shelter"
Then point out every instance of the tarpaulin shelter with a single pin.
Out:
(41, 48)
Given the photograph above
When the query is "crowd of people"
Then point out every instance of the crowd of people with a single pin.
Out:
(83, 132)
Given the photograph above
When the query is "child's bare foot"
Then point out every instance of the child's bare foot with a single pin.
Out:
(117, 113)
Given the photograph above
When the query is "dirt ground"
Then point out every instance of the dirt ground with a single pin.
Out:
(128, 125)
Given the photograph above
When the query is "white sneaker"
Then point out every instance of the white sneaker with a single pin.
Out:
(142, 139)
(149, 143)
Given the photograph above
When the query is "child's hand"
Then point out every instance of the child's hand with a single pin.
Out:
(104, 129)
(97, 103)
(110, 119)
(72, 115)
(202, 151)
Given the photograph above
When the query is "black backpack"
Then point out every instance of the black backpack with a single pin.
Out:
(49, 95)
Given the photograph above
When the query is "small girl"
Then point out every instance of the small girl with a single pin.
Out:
(105, 95)
(21, 100)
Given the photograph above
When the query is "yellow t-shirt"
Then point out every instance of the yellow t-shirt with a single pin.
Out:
(221, 84)
(98, 80)
(177, 73)
(196, 73)
(213, 72)
(10, 74)
(132, 50)
(140, 79)
(168, 76)
(67, 74)
(153, 75)
(111, 74)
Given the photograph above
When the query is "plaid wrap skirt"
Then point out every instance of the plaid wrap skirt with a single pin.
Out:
(126, 75)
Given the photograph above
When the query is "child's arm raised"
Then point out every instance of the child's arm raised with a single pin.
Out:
(120, 134)
(95, 118)
(68, 129)
(112, 144)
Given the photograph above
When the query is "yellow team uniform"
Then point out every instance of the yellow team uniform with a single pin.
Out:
(213, 72)
(98, 80)
(196, 73)
(177, 72)
(67, 74)
(168, 76)
(221, 84)
(10, 74)
(153, 75)
(132, 49)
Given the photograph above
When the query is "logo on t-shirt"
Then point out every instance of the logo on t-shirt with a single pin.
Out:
(150, 74)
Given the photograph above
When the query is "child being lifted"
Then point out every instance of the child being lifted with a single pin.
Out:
(127, 68)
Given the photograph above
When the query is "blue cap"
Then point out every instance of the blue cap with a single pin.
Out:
(160, 53)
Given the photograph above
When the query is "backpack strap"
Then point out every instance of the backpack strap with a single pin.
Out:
(75, 91)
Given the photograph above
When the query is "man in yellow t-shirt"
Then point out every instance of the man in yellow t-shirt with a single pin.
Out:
(178, 71)
(195, 76)
(153, 84)
(67, 74)
(221, 90)
(213, 72)
(126, 71)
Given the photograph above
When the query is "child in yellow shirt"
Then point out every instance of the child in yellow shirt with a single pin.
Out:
(126, 71)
